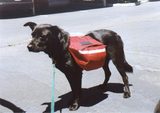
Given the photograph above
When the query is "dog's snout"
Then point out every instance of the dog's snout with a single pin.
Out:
(30, 47)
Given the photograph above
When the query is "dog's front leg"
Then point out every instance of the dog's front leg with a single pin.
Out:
(75, 83)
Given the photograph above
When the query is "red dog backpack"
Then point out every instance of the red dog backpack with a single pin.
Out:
(87, 52)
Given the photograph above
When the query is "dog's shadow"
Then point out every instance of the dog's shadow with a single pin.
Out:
(90, 96)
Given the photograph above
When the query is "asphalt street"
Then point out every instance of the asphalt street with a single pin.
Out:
(26, 78)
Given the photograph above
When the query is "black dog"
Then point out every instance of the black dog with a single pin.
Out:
(54, 41)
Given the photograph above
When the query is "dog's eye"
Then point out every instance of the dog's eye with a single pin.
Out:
(43, 39)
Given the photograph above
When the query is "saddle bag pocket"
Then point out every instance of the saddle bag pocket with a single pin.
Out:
(87, 52)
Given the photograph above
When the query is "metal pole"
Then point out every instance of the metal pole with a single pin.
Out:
(53, 89)
(104, 3)
(33, 9)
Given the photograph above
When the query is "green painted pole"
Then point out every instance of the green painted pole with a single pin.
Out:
(53, 89)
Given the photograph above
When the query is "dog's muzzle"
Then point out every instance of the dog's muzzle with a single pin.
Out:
(33, 48)
(30, 47)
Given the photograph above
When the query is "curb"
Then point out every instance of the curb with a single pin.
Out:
(129, 4)
(124, 4)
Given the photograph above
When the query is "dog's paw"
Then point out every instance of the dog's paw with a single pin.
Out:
(126, 95)
(74, 105)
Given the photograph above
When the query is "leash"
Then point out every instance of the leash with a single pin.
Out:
(53, 89)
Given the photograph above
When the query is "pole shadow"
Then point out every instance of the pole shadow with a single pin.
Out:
(90, 96)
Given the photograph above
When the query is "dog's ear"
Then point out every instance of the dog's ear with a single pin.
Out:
(55, 29)
(32, 25)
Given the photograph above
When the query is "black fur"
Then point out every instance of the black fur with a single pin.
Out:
(54, 41)
(157, 108)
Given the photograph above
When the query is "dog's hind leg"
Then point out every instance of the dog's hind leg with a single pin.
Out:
(117, 57)
(107, 75)
(127, 92)
(106, 71)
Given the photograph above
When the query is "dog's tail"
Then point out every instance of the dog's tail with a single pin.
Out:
(127, 67)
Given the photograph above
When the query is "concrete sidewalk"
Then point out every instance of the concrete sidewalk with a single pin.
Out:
(25, 78)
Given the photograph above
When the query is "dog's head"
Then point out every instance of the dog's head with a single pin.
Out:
(41, 36)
